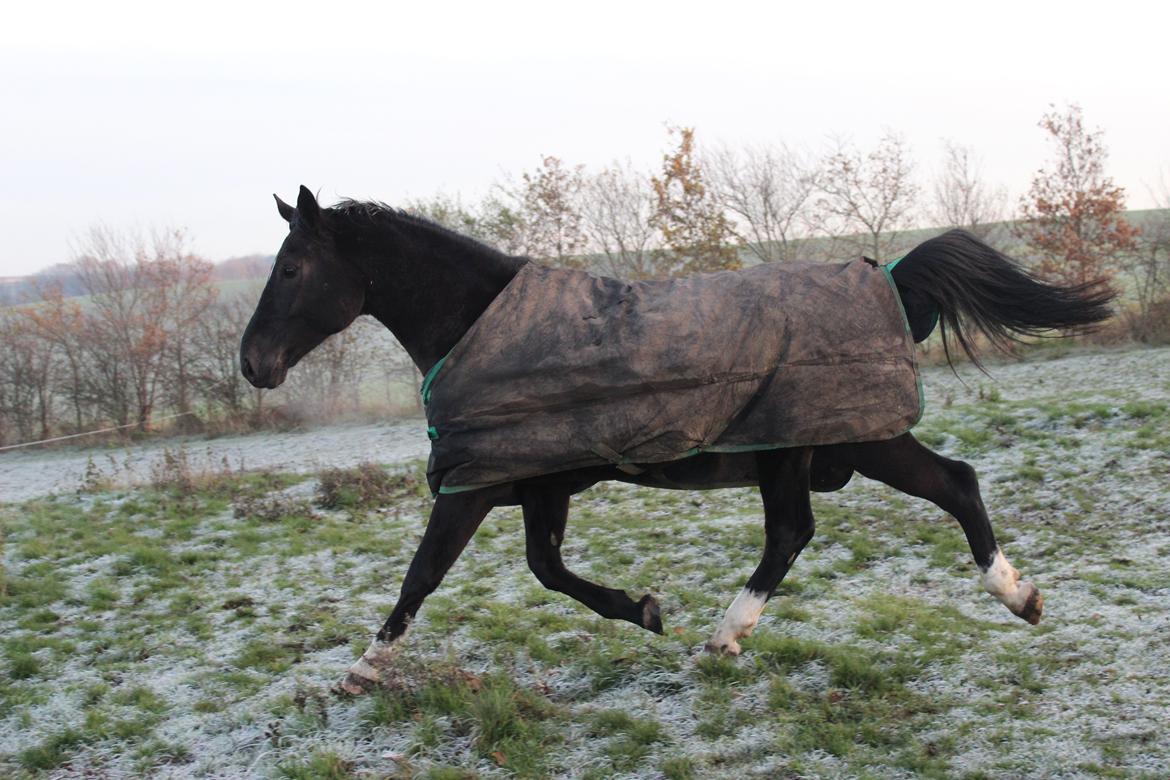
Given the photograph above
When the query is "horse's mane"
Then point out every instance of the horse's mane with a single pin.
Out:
(375, 213)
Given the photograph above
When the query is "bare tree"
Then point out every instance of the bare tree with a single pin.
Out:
(769, 190)
(1148, 269)
(26, 377)
(124, 337)
(216, 371)
(540, 215)
(329, 380)
(962, 199)
(61, 324)
(867, 199)
(143, 298)
(398, 371)
(617, 206)
(450, 212)
(500, 222)
(183, 283)
(551, 211)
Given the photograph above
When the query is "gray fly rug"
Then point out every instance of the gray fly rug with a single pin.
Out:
(567, 370)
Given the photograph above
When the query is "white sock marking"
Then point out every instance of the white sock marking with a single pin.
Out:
(1003, 581)
(363, 669)
(741, 618)
(377, 654)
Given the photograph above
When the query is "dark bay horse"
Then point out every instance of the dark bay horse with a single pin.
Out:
(428, 285)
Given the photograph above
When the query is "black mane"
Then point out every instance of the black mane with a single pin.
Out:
(375, 213)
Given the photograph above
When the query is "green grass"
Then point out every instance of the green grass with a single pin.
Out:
(140, 629)
(322, 765)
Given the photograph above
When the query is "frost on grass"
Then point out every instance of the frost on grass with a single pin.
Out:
(176, 633)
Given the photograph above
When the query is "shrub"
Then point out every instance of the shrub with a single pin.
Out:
(271, 507)
(366, 486)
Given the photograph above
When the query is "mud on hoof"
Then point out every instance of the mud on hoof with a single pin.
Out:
(651, 614)
(354, 685)
(740, 620)
(364, 675)
(1032, 603)
(1002, 580)
(723, 647)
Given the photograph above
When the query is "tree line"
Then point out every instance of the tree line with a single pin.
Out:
(152, 340)
(720, 207)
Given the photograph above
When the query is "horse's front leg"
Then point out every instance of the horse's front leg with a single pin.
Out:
(454, 520)
(788, 527)
(546, 511)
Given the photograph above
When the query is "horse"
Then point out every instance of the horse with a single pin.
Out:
(429, 284)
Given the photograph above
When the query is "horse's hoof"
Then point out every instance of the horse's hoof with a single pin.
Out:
(717, 647)
(1033, 604)
(354, 685)
(651, 614)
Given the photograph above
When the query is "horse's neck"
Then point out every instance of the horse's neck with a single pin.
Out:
(430, 286)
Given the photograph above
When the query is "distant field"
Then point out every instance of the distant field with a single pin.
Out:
(152, 632)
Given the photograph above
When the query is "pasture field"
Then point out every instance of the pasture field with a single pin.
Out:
(194, 627)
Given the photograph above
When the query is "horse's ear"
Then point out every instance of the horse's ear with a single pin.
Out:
(307, 208)
(286, 211)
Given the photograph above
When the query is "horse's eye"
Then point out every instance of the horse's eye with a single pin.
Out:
(289, 271)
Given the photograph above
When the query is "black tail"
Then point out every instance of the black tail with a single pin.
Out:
(969, 286)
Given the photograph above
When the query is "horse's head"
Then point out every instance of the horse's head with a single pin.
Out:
(311, 294)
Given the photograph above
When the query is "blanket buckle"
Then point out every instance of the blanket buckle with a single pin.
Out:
(616, 459)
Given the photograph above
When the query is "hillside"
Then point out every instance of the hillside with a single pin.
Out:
(23, 289)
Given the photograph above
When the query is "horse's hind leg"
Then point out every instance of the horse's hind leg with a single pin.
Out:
(905, 464)
(546, 511)
(788, 527)
(454, 520)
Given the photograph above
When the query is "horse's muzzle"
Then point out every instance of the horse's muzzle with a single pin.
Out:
(260, 375)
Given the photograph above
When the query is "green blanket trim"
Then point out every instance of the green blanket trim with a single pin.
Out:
(889, 269)
(886, 269)
(425, 392)
(429, 379)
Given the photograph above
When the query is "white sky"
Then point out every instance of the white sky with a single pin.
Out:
(160, 114)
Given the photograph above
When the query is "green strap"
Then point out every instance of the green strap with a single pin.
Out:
(429, 379)
(616, 458)
(425, 390)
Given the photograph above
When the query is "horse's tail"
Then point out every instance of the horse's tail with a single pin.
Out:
(966, 285)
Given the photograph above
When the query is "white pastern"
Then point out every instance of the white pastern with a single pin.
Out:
(741, 618)
(1003, 581)
(377, 656)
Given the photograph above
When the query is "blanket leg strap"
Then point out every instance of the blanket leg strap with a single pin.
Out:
(615, 457)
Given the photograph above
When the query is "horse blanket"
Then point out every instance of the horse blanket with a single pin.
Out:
(566, 370)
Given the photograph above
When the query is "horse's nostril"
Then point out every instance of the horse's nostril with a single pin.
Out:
(246, 366)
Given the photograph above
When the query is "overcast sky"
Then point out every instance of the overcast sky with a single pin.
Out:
(159, 114)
